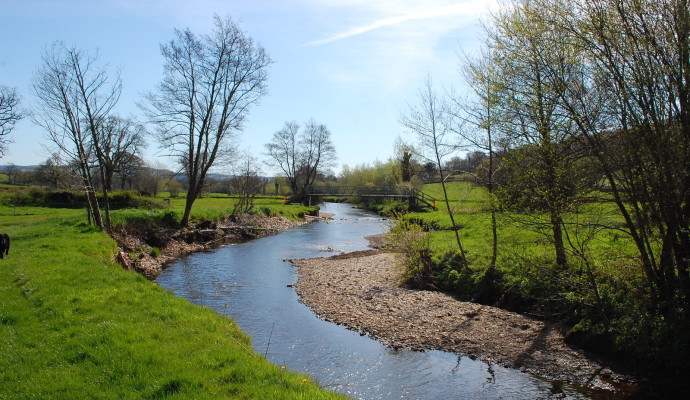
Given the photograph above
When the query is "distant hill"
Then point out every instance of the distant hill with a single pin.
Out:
(3, 168)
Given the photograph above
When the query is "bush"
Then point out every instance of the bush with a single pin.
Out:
(155, 252)
(413, 243)
(57, 198)
(170, 218)
(17, 198)
(394, 207)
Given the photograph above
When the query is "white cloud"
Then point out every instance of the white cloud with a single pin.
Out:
(389, 44)
(466, 9)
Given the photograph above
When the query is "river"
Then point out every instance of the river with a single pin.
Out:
(250, 283)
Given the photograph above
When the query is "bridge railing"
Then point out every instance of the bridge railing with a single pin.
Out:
(425, 198)
(360, 191)
(372, 191)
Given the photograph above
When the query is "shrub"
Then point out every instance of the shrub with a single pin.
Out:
(52, 199)
(155, 252)
(170, 218)
(126, 199)
(394, 207)
(410, 240)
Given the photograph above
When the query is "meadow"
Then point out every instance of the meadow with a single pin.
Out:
(519, 235)
(74, 324)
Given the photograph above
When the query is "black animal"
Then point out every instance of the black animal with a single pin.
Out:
(4, 244)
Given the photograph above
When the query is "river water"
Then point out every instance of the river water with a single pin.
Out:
(249, 283)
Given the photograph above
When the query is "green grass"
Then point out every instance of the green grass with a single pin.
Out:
(525, 253)
(460, 194)
(217, 206)
(516, 233)
(74, 325)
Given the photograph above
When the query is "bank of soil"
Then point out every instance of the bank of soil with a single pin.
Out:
(362, 290)
(147, 247)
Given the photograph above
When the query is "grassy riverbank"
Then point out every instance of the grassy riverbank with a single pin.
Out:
(73, 324)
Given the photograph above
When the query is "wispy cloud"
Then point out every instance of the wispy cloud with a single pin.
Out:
(466, 8)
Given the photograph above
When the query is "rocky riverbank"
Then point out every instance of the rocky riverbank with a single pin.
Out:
(147, 247)
(362, 291)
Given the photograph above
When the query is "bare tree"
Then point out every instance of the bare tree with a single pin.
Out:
(209, 84)
(10, 114)
(128, 168)
(318, 152)
(114, 143)
(75, 97)
(482, 114)
(12, 172)
(301, 155)
(430, 121)
(284, 153)
(246, 182)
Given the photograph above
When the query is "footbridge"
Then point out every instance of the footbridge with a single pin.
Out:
(412, 195)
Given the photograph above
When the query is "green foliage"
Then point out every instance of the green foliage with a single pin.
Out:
(155, 252)
(377, 174)
(388, 207)
(410, 240)
(601, 291)
(37, 196)
(75, 325)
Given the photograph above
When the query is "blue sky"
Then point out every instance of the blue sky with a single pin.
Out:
(350, 64)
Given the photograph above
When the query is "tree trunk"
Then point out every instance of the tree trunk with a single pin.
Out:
(106, 201)
(494, 229)
(559, 246)
(92, 201)
(452, 219)
(191, 197)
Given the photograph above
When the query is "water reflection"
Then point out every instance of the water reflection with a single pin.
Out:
(250, 283)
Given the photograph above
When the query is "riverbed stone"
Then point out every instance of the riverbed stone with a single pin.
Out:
(361, 290)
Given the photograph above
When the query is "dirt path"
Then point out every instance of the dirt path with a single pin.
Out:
(361, 291)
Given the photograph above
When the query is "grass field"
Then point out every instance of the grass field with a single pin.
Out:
(517, 233)
(74, 325)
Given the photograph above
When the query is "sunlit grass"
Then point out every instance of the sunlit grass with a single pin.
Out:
(73, 324)
(521, 237)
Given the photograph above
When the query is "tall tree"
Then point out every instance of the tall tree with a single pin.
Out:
(128, 168)
(75, 97)
(404, 154)
(246, 182)
(284, 153)
(525, 50)
(209, 84)
(301, 154)
(431, 122)
(318, 152)
(120, 141)
(631, 105)
(10, 114)
(114, 143)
